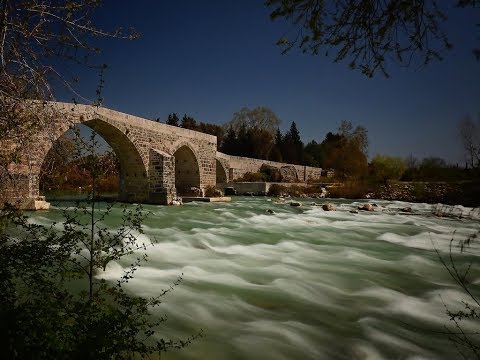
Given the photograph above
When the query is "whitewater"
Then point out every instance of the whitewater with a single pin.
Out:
(302, 283)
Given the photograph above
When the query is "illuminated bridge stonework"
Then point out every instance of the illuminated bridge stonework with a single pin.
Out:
(157, 161)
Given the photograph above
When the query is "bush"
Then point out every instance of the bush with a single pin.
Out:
(251, 177)
(350, 190)
(42, 316)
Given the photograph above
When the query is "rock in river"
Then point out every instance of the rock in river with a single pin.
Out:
(328, 207)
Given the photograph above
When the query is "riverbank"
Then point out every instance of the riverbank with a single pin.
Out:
(466, 193)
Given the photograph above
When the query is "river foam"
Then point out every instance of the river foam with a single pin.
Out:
(301, 283)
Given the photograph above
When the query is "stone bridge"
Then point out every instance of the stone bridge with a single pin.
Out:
(156, 160)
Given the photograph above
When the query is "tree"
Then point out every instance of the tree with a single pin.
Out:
(470, 136)
(259, 117)
(56, 162)
(260, 143)
(346, 151)
(368, 34)
(36, 37)
(293, 145)
(464, 340)
(188, 122)
(229, 143)
(386, 168)
(42, 316)
(358, 136)
(212, 129)
(172, 119)
(276, 152)
(313, 154)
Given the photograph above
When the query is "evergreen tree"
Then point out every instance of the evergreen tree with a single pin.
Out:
(292, 149)
(213, 129)
(172, 119)
(260, 143)
(242, 148)
(188, 122)
(276, 152)
(229, 143)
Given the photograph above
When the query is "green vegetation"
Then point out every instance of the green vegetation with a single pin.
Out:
(55, 303)
(384, 168)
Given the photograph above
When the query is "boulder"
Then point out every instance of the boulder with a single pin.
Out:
(295, 203)
(406, 209)
(230, 191)
(366, 207)
(270, 211)
(354, 211)
(194, 191)
(176, 201)
(328, 207)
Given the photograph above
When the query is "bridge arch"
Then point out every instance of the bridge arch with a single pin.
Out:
(187, 169)
(133, 176)
(221, 172)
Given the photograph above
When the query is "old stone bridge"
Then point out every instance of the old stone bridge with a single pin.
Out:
(156, 160)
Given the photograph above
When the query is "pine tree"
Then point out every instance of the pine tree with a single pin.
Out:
(188, 122)
(172, 119)
(292, 149)
(276, 153)
(229, 142)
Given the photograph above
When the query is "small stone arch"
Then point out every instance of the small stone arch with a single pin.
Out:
(221, 172)
(187, 169)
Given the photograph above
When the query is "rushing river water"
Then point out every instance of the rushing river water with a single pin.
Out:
(302, 283)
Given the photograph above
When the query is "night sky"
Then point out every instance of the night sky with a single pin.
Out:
(210, 58)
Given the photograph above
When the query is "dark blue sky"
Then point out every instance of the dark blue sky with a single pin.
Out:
(210, 58)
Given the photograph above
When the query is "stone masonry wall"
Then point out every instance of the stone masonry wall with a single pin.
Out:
(132, 139)
(149, 153)
(240, 165)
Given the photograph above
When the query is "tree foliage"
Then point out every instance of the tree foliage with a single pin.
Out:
(55, 303)
(368, 33)
(188, 122)
(384, 168)
(173, 119)
(292, 146)
(44, 317)
(344, 151)
(260, 118)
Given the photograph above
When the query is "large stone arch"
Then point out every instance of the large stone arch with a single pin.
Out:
(187, 169)
(134, 185)
(133, 177)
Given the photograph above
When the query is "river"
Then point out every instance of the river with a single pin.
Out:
(302, 283)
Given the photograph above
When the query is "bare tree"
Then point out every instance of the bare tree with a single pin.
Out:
(470, 136)
(36, 36)
(260, 117)
(369, 33)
